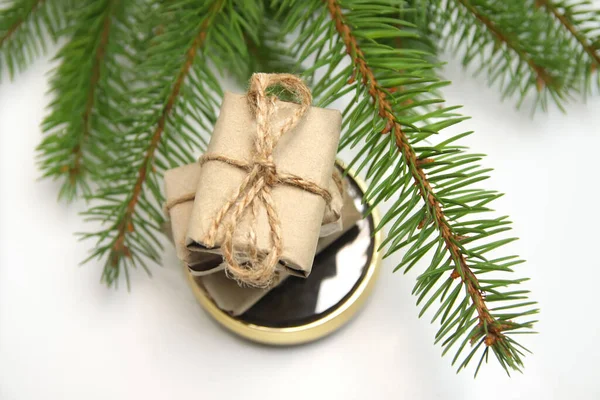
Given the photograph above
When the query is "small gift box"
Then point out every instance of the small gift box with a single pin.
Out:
(180, 190)
(263, 185)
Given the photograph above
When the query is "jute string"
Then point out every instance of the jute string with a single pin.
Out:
(249, 265)
(190, 196)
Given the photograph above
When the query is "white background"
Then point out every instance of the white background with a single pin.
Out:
(65, 336)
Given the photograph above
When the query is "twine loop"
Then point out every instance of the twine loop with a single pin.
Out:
(249, 265)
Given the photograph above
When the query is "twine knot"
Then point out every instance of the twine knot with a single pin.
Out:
(267, 170)
(249, 265)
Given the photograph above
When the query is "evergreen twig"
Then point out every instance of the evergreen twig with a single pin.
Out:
(119, 248)
(67, 152)
(415, 165)
(542, 77)
(518, 47)
(572, 28)
(582, 22)
(390, 116)
(19, 19)
(24, 27)
(169, 116)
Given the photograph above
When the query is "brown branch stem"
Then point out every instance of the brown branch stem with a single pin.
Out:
(75, 169)
(380, 97)
(543, 78)
(126, 225)
(19, 22)
(581, 39)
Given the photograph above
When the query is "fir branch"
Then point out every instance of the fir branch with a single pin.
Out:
(24, 28)
(94, 80)
(572, 28)
(521, 49)
(430, 184)
(19, 19)
(542, 77)
(380, 99)
(68, 152)
(581, 21)
(119, 249)
(169, 117)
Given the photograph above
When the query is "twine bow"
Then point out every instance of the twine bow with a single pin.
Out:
(251, 266)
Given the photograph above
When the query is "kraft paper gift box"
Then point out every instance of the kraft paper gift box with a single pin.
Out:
(180, 190)
(236, 300)
(307, 151)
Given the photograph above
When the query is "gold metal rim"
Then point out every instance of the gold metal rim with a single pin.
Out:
(308, 332)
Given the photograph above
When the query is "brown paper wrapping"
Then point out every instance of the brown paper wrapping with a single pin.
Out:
(179, 182)
(332, 219)
(182, 181)
(236, 300)
(307, 151)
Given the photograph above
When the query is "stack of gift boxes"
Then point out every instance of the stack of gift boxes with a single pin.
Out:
(304, 224)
